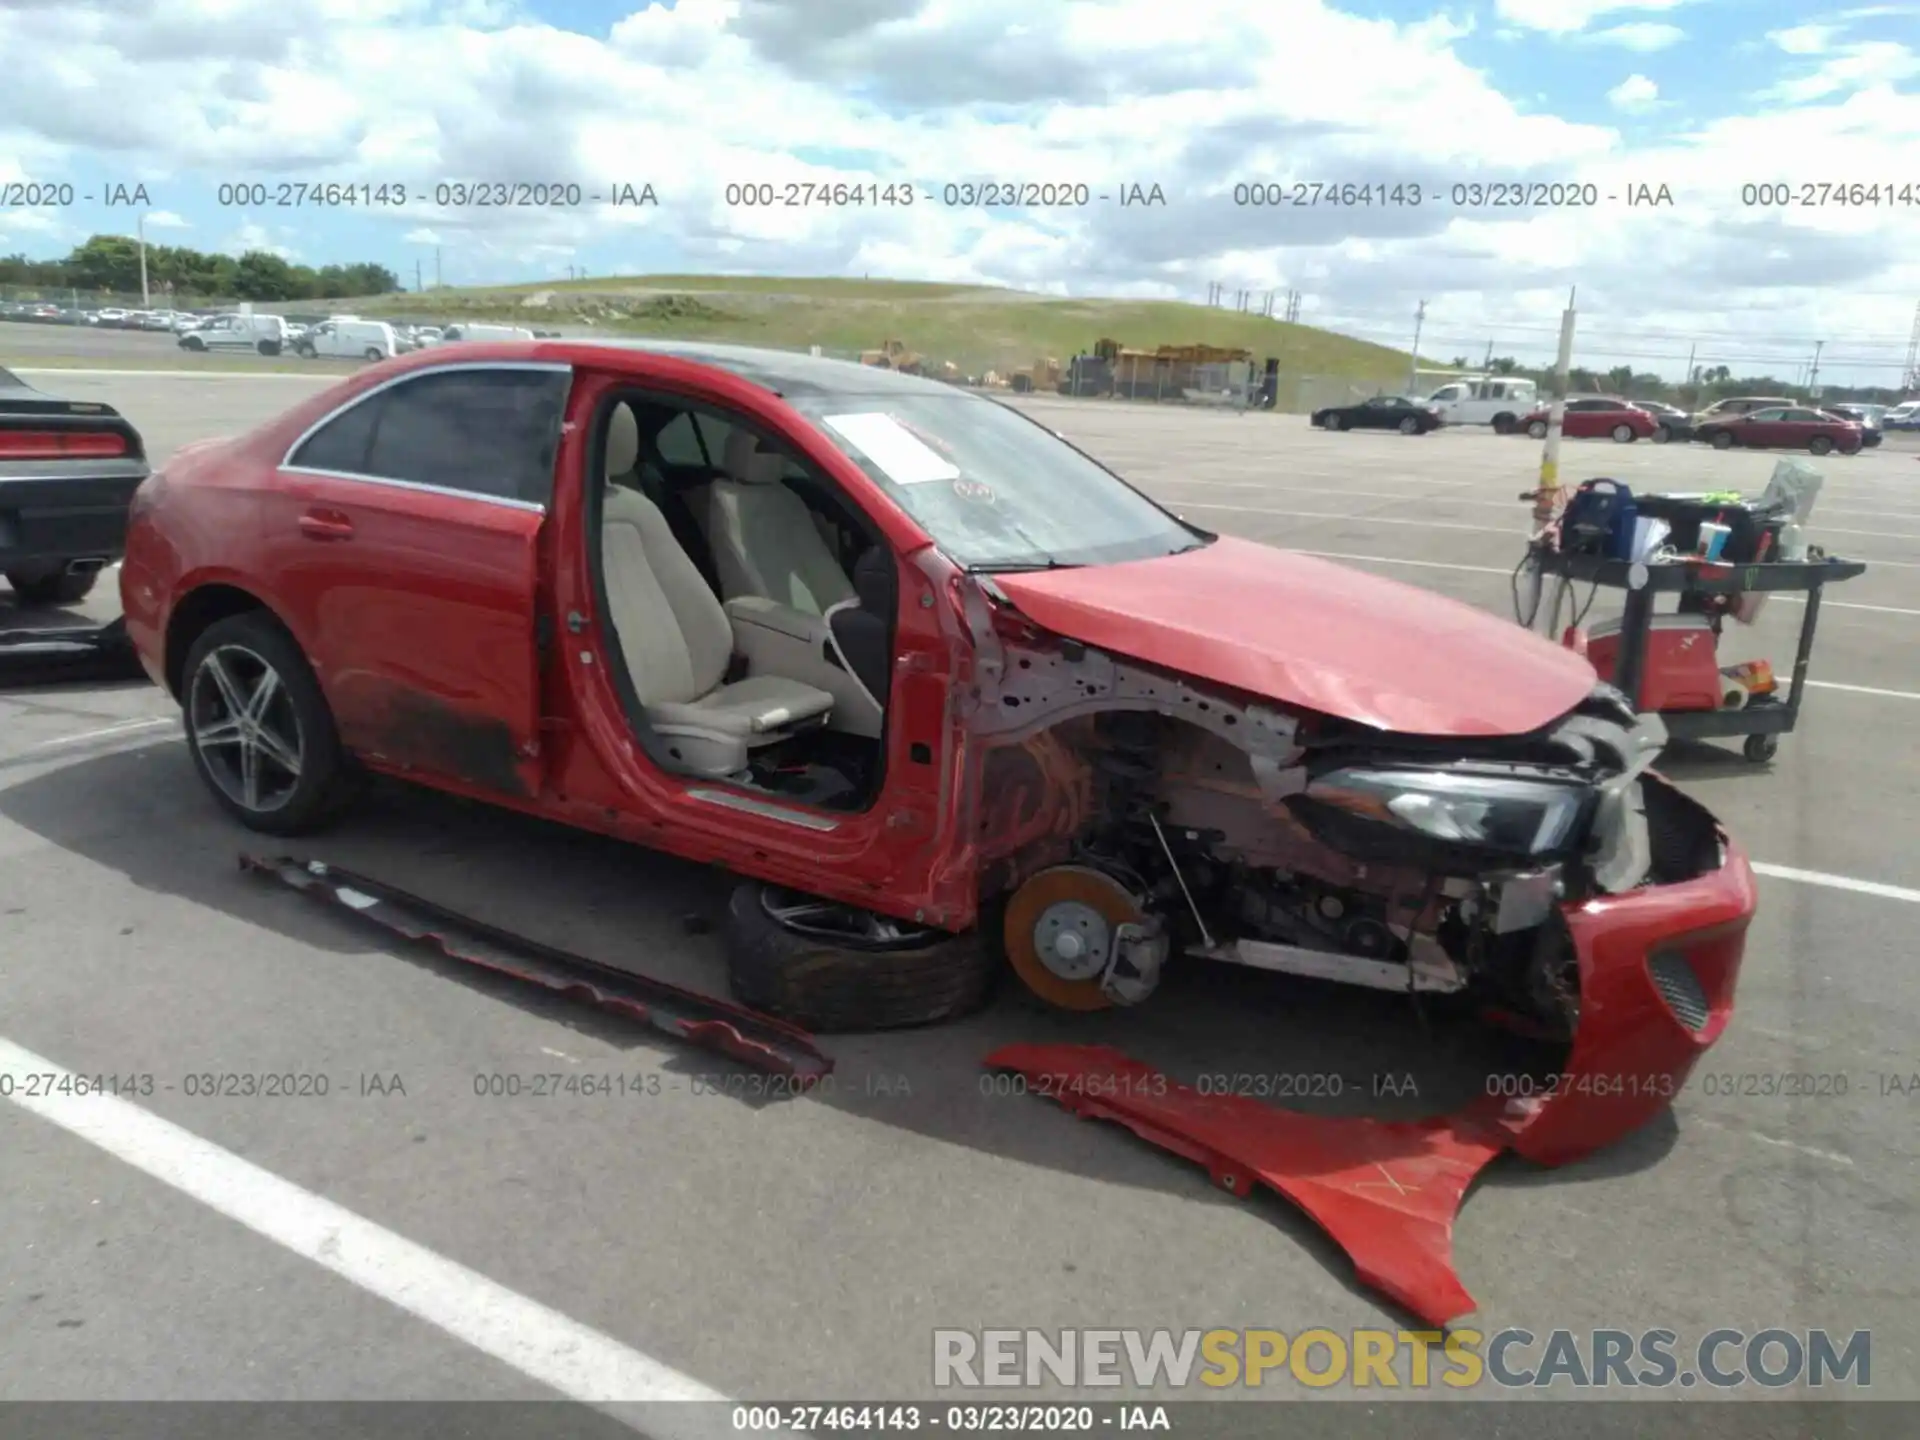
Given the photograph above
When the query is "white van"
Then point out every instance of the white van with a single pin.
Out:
(264, 333)
(456, 333)
(349, 339)
(1497, 400)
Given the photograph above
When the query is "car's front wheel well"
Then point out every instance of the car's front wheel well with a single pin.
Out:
(205, 606)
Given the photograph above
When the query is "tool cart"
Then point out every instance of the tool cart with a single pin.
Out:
(1709, 590)
(1720, 557)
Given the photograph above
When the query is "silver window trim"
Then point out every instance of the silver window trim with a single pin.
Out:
(452, 367)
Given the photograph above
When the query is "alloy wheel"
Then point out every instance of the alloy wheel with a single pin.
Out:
(242, 721)
(838, 924)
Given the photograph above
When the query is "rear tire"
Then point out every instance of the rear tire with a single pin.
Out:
(193, 342)
(1409, 426)
(1538, 430)
(268, 347)
(58, 588)
(827, 977)
(1722, 440)
(225, 671)
(1661, 435)
(1336, 422)
(1623, 435)
(1504, 424)
(374, 352)
(1820, 445)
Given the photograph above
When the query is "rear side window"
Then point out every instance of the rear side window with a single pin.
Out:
(342, 444)
(485, 432)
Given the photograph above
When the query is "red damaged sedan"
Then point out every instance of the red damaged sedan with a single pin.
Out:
(947, 693)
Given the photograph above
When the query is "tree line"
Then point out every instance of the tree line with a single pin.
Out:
(111, 264)
(1706, 384)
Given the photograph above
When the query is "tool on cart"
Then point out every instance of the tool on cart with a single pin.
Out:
(1720, 556)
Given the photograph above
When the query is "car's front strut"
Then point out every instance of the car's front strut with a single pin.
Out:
(754, 1039)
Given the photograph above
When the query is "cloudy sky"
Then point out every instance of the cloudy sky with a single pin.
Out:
(1711, 99)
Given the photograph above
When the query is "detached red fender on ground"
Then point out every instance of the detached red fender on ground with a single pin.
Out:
(1387, 1191)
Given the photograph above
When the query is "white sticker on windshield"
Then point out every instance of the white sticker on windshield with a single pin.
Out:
(902, 456)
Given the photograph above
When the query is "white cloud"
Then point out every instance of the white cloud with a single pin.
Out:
(1633, 94)
(707, 92)
(253, 236)
(166, 220)
(1848, 68)
(1570, 17)
(1641, 35)
(1803, 39)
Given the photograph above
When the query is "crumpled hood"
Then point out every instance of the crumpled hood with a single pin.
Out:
(1314, 635)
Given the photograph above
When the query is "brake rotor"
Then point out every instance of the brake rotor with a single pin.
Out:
(1059, 933)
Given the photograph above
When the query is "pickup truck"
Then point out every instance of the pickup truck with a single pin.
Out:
(68, 470)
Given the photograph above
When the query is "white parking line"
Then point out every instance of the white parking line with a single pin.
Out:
(1518, 531)
(1864, 690)
(542, 1344)
(125, 727)
(1837, 882)
(1336, 490)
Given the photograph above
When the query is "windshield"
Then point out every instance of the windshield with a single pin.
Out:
(995, 490)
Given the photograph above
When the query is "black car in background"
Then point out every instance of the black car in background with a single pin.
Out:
(1670, 421)
(1867, 417)
(1383, 412)
(68, 470)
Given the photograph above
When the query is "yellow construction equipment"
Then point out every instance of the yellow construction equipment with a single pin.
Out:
(1043, 374)
(894, 355)
(1168, 370)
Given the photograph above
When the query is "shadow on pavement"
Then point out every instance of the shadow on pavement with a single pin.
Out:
(142, 813)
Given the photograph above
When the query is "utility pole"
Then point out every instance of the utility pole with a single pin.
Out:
(1413, 360)
(418, 286)
(1813, 371)
(1692, 350)
(1546, 497)
(1911, 380)
(436, 267)
(1487, 364)
(140, 226)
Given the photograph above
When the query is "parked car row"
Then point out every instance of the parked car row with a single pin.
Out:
(1766, 422)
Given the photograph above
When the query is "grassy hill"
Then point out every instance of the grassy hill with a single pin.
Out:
(974, 327)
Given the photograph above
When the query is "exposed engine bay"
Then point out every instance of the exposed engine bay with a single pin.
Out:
(1183, 822)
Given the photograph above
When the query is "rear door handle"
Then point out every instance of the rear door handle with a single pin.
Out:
(326, 525)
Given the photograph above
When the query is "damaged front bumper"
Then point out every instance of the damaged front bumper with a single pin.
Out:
(1657, 970)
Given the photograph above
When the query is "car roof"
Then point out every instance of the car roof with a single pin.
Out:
(789, 374)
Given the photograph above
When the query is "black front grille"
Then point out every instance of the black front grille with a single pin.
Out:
(1681, 833)
(1673, 977)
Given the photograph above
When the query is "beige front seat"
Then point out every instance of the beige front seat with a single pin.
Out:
(781, 580)
(676, 638)
(764, 540)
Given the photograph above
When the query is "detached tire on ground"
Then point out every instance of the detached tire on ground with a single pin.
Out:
(58, 588)
(834, 968)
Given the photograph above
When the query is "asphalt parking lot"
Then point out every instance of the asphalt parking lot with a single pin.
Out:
(810, 1247)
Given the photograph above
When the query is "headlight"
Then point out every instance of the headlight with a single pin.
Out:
(1500, 813)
